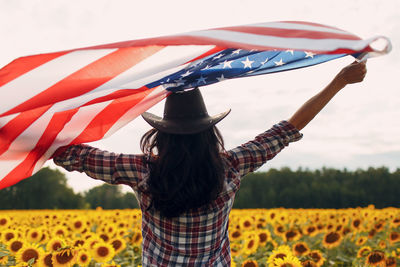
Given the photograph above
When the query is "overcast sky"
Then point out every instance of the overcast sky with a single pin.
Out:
(358, 129)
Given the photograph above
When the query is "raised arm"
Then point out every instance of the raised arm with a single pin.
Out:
(352, 73)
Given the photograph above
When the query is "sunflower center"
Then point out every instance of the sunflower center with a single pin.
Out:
(300, 248)
(249, 264)
(280, 256)
(287, 265)
(29, 254)
(290, 234)
(64, 257)
(78, 225)
(375, 257)
(247, 224)
(16, 245)
(9, 236)
(104, 237)
(251, 244)
(116, 244)
(48, 261)
(84, 258)
(102, 251)
(310, 229)
(34, 235)
(235, 234)
(56, 246)
(394, 236)
(315, 256)
(79, 243)
(263, 237)
(332, 238)
(3, 221)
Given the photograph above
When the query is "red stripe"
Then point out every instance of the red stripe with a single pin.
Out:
(25, 168)
(12, 129)
(292, 33)
(105, 119)
(88, 78)
(23, 65)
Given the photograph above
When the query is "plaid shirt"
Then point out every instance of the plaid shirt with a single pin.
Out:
(198, 237)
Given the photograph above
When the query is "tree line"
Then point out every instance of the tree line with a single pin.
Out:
(301, 188)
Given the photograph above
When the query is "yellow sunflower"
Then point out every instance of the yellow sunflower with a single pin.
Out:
(83, 258)
(279, 253)
(331, 239)
(65, 257)
(34, 235)
(363, 251)
(119, 244)
(103, 252)
(236, 249)
(249, 263)
(264, 236)
(290, 261)
(235, 234)
(308, 263)
(29, 251)
(4, 221)
(317, 257)
(251, 242)
(136, 238)
(46, 260)
(300, 249)
(8, 234)
(291, 235)
(391, 262)
(310, 230)
(60, 231)
(55, 243)
(14, 245)
(394, 237)
(361, 240)
(376, 258)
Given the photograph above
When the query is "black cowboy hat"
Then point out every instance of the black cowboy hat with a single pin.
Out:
(184, 113)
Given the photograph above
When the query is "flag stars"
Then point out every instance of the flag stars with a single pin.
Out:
(201, 80)
(290, 51)
(309, 54)
(237, 51)
(247, 63)
(279, 63)
(206, 67)
(218, 57)
(187, 73)
(222, 78)
(265, 61)
(227, 64)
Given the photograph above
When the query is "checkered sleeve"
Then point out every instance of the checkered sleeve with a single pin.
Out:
(110, 167)
(253, 154)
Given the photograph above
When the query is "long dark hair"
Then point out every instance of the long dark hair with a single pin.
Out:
(186, 171)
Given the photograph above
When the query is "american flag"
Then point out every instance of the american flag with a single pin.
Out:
(86, 94)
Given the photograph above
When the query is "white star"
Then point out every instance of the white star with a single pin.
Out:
(247, 63)
(180, 82)
(237, 51)
(227, 64)
(206, 68)
(187, 73)
(219, 56)
(222, 78)
(201, 79)
(279, 63)
(309, 54)
(265, 61)
(290, 51)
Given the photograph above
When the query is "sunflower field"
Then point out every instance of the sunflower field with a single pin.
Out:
(259, 237)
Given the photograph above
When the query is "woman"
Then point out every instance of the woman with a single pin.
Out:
(185, 181)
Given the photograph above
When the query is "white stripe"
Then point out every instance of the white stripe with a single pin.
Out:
(295, 26)
(6, 119)
(150, 100)
(322, 45)
(76, 126)
(163, 63)
(39, 79)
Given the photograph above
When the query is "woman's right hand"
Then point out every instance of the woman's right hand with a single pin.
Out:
(353, 73)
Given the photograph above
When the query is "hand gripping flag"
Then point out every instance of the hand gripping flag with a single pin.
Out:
(86, 94)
